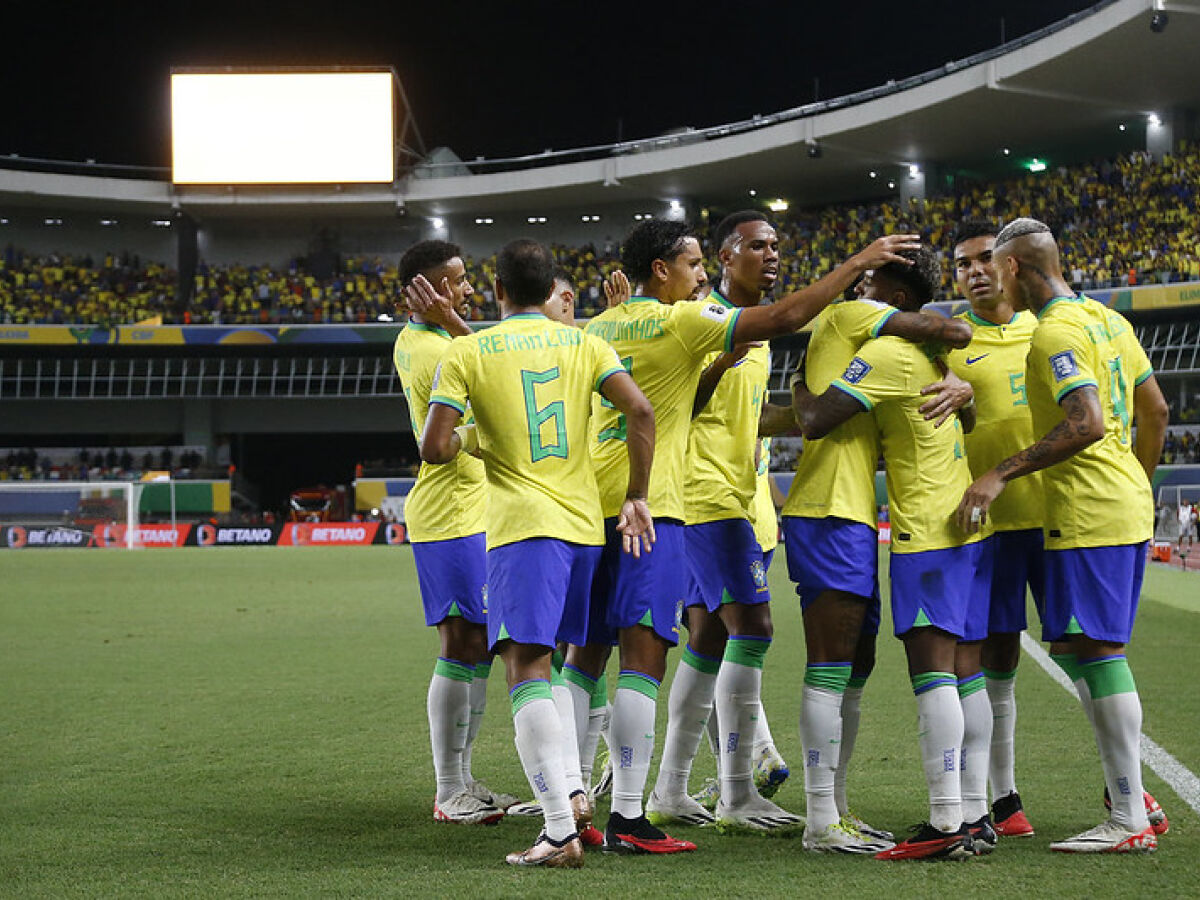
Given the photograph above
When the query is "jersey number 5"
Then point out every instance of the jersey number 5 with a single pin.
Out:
(537, 416)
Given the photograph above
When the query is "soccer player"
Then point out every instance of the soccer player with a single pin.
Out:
(994, 364)
(932, 561)
(1087, 380)
(830, 526)
(529, 383)
(444, 516)
(729, 620)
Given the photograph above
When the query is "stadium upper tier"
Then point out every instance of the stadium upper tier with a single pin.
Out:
(1129, 220)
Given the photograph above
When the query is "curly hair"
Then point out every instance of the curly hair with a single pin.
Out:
(650, 240)
(923, 277)
(423, 256)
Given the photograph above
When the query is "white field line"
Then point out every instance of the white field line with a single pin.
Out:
(1179, 777)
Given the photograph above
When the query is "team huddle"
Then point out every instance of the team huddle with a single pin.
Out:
(585, 489)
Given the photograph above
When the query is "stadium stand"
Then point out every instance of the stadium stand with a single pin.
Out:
(1122, 221)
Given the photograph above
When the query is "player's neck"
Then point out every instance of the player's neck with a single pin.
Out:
(1001, 313)
(738, 295)
(1052, 289)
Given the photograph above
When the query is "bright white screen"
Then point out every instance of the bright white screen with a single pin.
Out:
(282, 128)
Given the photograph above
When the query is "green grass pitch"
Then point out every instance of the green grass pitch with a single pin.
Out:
(208, 722)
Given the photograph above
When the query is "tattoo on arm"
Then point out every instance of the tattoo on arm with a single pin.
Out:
(1065, 439)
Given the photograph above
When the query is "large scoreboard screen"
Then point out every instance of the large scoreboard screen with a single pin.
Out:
(282, 127)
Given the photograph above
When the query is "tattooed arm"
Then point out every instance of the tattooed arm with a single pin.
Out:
(1083, 426)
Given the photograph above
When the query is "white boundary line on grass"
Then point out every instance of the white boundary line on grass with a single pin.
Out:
(1180, 778)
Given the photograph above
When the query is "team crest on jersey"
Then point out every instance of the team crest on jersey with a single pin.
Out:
(759, 574)
(1063, 365)
(715, 311)
(856, 371)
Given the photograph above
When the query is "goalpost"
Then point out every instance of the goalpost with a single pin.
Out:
(69, 513)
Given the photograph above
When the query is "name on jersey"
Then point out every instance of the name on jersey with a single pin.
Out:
(501, 343)
(1063, 365)
(640, 330)
(856, 371)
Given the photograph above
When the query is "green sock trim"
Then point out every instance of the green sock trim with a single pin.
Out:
(579, 679)
(556, 678)
(996, 675)
(747, 651)
(557, 659)
(828, 676)
(482, 671)
(636, 681)
(455, 671)
(1069, 664)
(528, 691)
(1107, 676)
(925, 681)
(857, 682)
(972, 684)
(600, 692)
(700, 663)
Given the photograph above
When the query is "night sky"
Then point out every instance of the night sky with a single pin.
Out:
(90, 80)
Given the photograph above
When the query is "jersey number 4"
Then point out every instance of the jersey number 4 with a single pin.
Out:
(536, 417)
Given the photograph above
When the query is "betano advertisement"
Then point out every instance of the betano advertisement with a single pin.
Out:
(291, 534)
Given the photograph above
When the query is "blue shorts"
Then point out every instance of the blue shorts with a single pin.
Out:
(1020, 561)
(647, 590)
(979, 599)
(1094, 590)
(538, 591)
(453, 578)
(833, 554)
(933, 587)
(726, 564)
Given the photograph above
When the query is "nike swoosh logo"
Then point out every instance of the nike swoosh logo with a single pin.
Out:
(975, 359)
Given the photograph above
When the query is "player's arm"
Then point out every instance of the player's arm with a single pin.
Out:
(634, 522)
(711, 376)
(950, 395)
(921, 327)
(442, 438)
(435, 306)
(1151, 413)
(1081, 427)
(793, 312)
(773, 420)
(817, 416)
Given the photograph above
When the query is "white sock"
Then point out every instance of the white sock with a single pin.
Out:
(688, 706)
(570, 746)
(851, 716)
(597, 719)
(940, 730)
(539, 743)
(821, 735)
(1001, 766)
(713, 733)
(1118, 722)
(449, 709)
(976, 743)
(762, 735)
(632, 732)
(478, 700)
(737, 696)
(581, 702)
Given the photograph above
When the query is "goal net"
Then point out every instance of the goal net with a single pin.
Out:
(69, 514)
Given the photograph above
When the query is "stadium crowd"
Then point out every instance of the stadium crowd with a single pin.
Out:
(1127, 220)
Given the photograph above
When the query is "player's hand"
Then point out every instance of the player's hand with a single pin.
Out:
(887, 250)
(434, 305)
(636, 527)
(972, 511)
(949, 396)
(617, 289)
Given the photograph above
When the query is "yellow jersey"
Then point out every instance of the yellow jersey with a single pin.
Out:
(835, 475)
(529, 382)
(721, 475)
(762, 511)
(1100, 496)
(994, 364)
(447, 501)
(927, 470)
(662, 346)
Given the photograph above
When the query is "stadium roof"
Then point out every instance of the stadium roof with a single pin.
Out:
(1071, 85)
